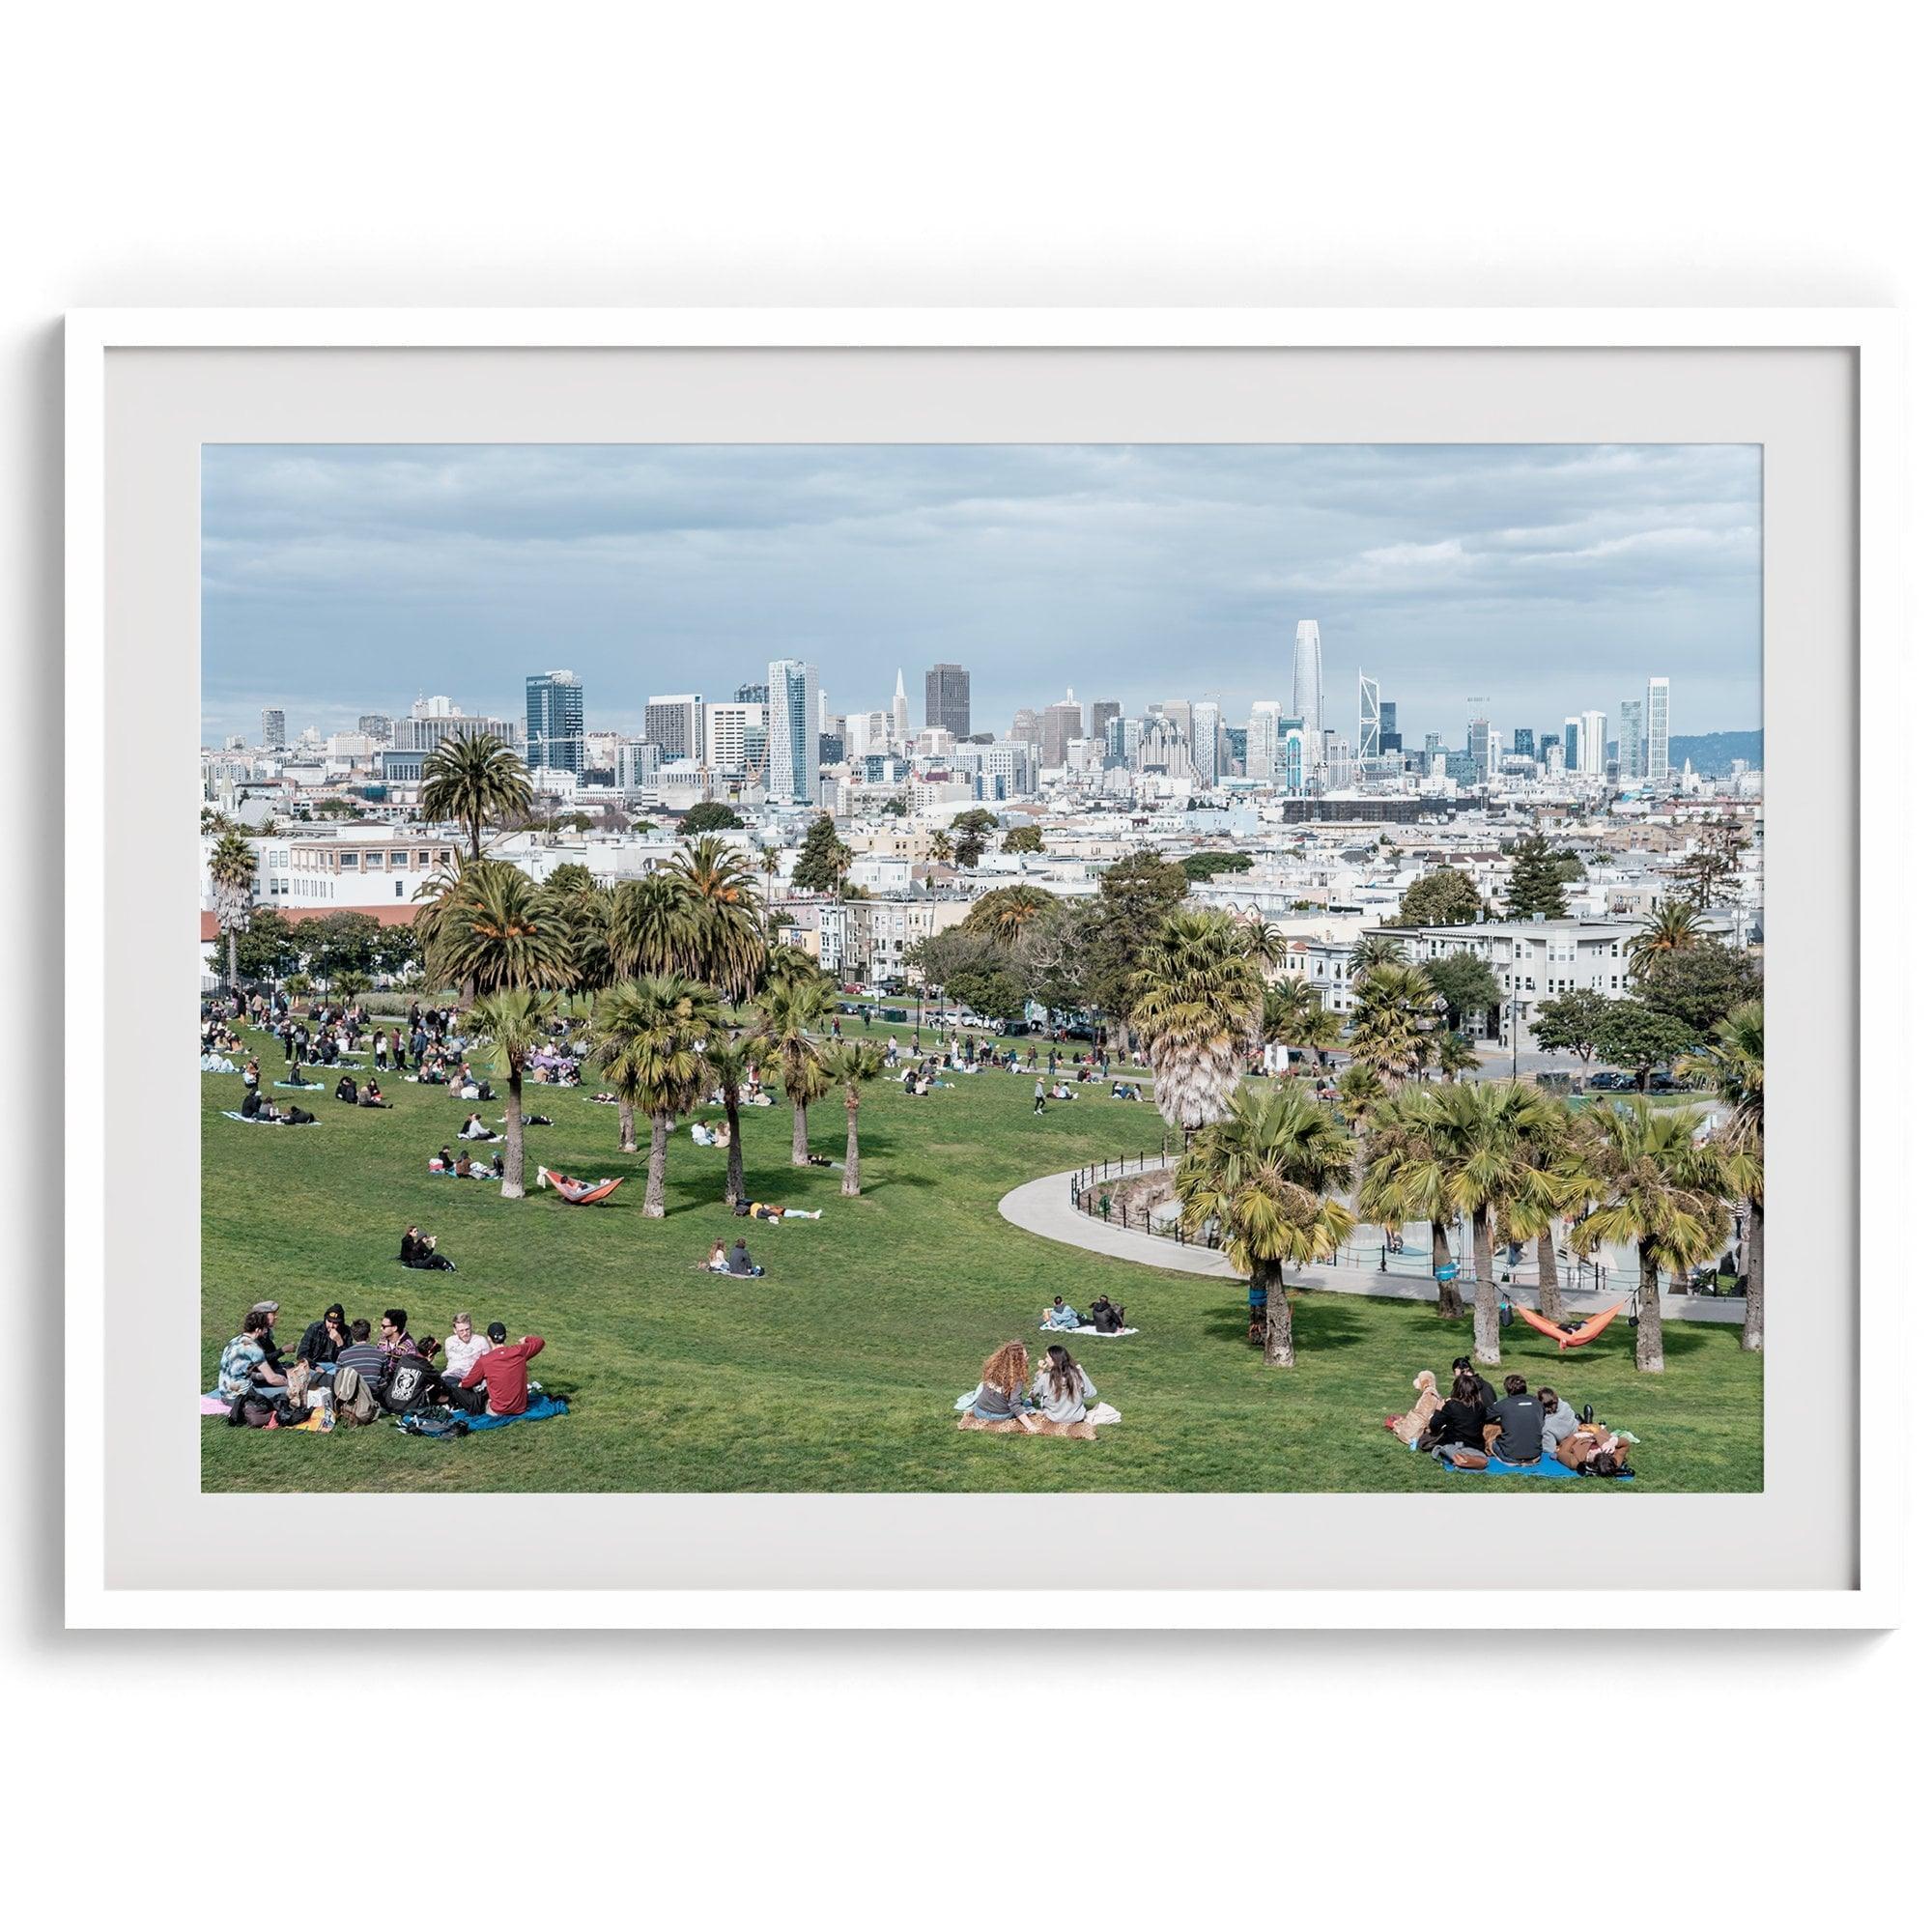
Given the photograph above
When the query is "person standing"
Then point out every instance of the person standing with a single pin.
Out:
(1040, 1096)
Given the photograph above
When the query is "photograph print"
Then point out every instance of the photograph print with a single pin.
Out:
(1222, 968)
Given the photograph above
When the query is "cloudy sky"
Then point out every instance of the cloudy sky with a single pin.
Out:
(1541, 581)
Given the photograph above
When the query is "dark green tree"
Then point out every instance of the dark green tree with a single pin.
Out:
(1023, 839)
(710, 815)
(342, 944)
(269, 948)
(823, 859)
(1534, 884)
(1466, 986)
(1442, 897)
(1700, 983)
(1568, 1023)
(1631, 1035)
(972, 829)
(1203, 865)
(1136, 895)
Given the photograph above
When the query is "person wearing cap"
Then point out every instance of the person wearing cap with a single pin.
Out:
(324, 1340)
(271, 1347)
(504, 1370)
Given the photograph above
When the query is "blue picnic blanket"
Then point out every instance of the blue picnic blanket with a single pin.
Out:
(455, 1426)
(1548, 1466)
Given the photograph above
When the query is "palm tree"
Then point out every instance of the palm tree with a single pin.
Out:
(1405, 1178)
(1266, 1173)
(1394, 1015)
(493, 928)
(1197, 1006)
(1362, 1092)
(231, 871)
(847, 1066)
(1487, 1130)
(732, 1060)
(516, 1022)
(792, 1013)
(1007, 913)
(654, 1032)
(1454, 1054)
(1266, 943)
(939, 849)
(1732, 1066)
(1672, 928)
(475, 780)
(1292, 1014)
(651, 926)
(1374, 949)
(584, 913)
(1658, 1188)
(726, 938)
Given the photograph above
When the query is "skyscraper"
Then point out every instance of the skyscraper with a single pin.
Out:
(901, 713)
(948, 700)
(1026, 725)
(1307, 693)
(1291, 767)
(793, 728)
(1657, 750)
(1572, 744)
(1630, 740)
(1593, 743)
(1264, 759)
(1479, 744)
(1205, 744)
(553, 721)
(1060, 724)
(675, 725)
(274, 730)
(1525, 741)
(1368, 715)
(1106, 711)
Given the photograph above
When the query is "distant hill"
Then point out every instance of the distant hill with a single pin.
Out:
(1712, 753)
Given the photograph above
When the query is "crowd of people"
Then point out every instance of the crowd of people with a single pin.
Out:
(1472, 1426)
(344, 1370)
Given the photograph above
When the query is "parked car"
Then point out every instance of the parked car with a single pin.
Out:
(1611, 1082)
(1668, 1083)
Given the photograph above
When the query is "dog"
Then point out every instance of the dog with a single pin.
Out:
(1406, 1429)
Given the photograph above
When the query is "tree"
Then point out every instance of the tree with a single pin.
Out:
(1732, 1066)
(1023, 839)
(939, 849)
(1136, 894)
(1630, 1035)
(475, 780)
(1568, 1023)
(709, 815)
(792, 966)
(974, 827)
(1656, 1190)
(732, 1060)
(823, 859)
(341, 946)
(1710, 872)
(1535, 884)
(896, 808)
(496, 929)
(653, 1033)
(583, 910)
(1405, 1178)
(1266, 945)
(1465, 984)
(1395, 1013)
(651, 926)
(231, 873)
(269, 948)
(1201, 867)
(1361, 1092)
(1673, 926)
(1699, 986)
(848, 1066)
(1267, 1176)
(1442, 897)
(1374, 949)
(1005, 913)
(515, 1022)
(1454, 1054)
(1292, 1014)
(726, 942)
(792, 1018)
(1197, 1004)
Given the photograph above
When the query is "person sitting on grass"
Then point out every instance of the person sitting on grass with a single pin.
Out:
(1109, 1316)
(463, 1349)
(473, 1129)
(245, 1368)
(1519, 1418)
(323, 1341)
(740, 1262)
(1458, 1423)
(372, 1096)
(1058, 1316)
(503, 1371)
(719, 1261)
(1063, 1388)
(1001, 1395)
(362, 1354)
(1559, 1420)
(1463, 1366)
(443, 1163)
(345, 1091)
(419, 1251)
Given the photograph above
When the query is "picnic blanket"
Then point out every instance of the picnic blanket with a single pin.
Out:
(212, 1403)
(541, 1408)
(1548, 1466)
(1032, 1423)
(258, 1122)
(303, 1086)
(1105, 1334)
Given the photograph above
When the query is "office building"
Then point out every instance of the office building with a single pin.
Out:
(1264, 759)
(1058, 727)
(1291, 769)
(792, 727)
(377, 726)
(1478, 745)
(1307, 693)
(1657, 749)
(730, 731)
(753, 694)
(1388, 719)
(1026, 725)
(274, 730)
(424, 729)
(1572, 744)
(1525, 742)
(1205, 743)
(1368, 717)
(553, 721)
(675, 725)
(1493, 753)
(1593, 749)
(1545, 744)
(1630, 740)
(948, 700)
(637, 767)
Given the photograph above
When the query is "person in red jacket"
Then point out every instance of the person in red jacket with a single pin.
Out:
(503, 1369)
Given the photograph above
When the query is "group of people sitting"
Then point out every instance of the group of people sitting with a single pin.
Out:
(464, 1168)
(1013, 1398)
(1105, 1318)
(255, 1108)
(371, 1094)
(341, 1372)
(1472, 1425)
(737, 1260)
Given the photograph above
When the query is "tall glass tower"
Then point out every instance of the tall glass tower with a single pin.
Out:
(554, 721)
(1368, 715)
(1307, 693)
(1656, 752)
(793, 743)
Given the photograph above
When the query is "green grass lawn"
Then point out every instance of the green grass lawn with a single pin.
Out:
(839, 1370)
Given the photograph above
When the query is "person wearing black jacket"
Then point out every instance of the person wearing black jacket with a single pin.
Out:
(1520, 1417)
(1463, 1366)
(323, 1341)
(345, 1091)
(1458, 1423)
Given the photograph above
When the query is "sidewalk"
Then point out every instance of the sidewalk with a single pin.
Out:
(1043, 1208)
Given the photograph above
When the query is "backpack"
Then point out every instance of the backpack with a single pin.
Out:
(410, 1386)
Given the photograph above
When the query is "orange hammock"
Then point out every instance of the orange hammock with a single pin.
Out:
(1563, 1337)
(577, 1193)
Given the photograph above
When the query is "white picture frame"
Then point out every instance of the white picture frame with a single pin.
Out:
(1871, 1596)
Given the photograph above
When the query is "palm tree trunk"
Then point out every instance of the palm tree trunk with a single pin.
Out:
(1278, 1327)
(1448, 1296)
(1549, 1303)
(513, 1135)
(1752, 1335)
(1649, 1313)
(850, 1184)
(800, 1154)
(1489, 1350)
(627, 1126)
(233, 969)
(654, 1176)
(734, 1154)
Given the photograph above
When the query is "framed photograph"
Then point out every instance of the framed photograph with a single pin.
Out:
(982, 969)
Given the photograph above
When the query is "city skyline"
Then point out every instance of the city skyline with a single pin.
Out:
(1547, 579)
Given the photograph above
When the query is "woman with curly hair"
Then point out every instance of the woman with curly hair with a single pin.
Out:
(1002, 1394)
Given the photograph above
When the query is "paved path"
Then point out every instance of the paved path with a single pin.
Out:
(1045, 1208)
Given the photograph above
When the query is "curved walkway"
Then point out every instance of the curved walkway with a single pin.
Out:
(1045, 1207)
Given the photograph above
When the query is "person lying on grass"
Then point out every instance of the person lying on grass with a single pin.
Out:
(770, 1210)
